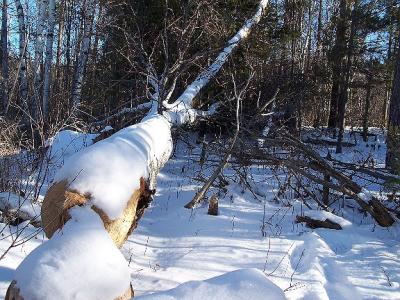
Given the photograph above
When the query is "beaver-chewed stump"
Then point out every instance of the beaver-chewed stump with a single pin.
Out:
(213, 206)
(59, 199)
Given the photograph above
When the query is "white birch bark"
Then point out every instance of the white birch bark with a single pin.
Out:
(22, 79)
(60, 37)
(181, 110)
(39, 47)
(83, 54)
(48, 59)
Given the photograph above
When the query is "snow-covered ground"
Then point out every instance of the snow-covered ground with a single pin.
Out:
(255, 234)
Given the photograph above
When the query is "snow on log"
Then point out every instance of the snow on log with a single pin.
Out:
(313, 223)
(105, 186)
(112, 176)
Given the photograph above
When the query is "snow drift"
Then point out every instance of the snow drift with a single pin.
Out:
(237, 285)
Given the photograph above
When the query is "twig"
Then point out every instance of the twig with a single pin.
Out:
(200, 195)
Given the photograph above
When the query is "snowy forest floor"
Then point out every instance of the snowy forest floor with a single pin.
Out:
(254, 230)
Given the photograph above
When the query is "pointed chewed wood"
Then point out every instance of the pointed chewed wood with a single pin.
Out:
(59, 199)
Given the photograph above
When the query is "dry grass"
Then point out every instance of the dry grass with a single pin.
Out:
(10, 143)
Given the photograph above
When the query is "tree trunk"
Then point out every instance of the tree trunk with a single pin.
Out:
(319, 32)
(22, 79)
(68, 32)
(76, 93)
(316, 70)
(308, 39)
(388, 83)
(366, 108)
(344, 89)
(4, 56)
(325, 190)
(60, 38)
(58, 83)
(37, 63)
(48, 60)
(393, 138)
(333, 107)
(95, 47)
(337, 61)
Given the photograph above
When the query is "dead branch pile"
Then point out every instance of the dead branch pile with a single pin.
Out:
(299, 158)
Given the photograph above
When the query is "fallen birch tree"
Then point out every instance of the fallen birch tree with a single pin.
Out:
(98, 197)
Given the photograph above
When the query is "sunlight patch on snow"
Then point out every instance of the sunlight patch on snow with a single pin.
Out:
(173, 245)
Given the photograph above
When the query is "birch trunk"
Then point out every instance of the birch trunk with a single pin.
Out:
(184, 102)
(67, 76)
(68, 30)
(96, 43)
(22, 79)
(367, 108)
(39, 47)
(49, 59)
(308, 40)
(83, 55)
(136, 153)
(59, 40)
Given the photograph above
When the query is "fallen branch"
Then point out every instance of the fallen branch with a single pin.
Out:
(327, 142)
(16, 210)
(312, 223)
(201, 194)
(381, 174)
(270, 101)
(312, 161)
(121, 112)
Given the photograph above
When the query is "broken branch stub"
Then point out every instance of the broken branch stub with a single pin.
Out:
(213, 206)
